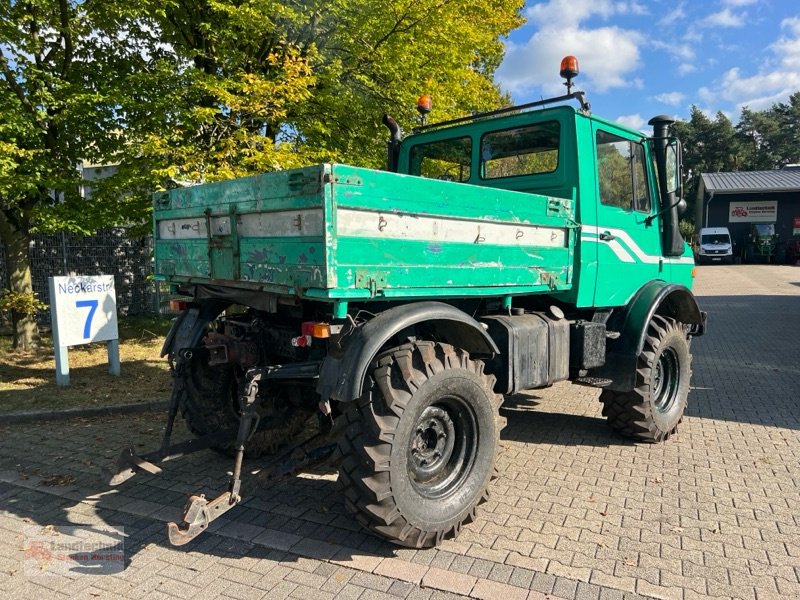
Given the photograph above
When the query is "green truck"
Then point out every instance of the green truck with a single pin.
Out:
(500, 252)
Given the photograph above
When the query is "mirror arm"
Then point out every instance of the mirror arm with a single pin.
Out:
(649, 220)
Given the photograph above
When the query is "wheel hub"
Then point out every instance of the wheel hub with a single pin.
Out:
(442, 448)
(665, 380)
(432, 444)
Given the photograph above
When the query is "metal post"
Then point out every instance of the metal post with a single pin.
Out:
(61, 352)
(708, 204)
(340, 309)
(113, 357)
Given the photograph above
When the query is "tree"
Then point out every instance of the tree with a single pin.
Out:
(757, 133)
(179, 90)
(247, 87)
(785, 138)
(710, 146)
(59, 65)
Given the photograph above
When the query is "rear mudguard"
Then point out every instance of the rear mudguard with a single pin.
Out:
(190, 326)
(342, 377)
(655, 297)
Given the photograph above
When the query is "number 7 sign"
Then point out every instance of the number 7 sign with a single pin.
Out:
(83, 309)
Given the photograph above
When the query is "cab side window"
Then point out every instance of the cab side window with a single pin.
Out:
(448, 160)
(621, 173)
(528, 150)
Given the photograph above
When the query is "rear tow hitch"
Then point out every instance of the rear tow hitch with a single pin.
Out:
(199, 512)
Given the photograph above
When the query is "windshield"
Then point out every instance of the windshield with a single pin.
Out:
(715, 238)
(765, 228)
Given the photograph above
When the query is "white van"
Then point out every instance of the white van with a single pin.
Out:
(715, 246)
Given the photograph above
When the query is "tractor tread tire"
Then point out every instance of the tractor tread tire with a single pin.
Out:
(632, 413)
(368, 427)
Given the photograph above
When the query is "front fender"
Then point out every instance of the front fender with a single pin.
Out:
(655, 297)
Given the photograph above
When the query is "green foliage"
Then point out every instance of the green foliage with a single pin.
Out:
(202, 91)
(239, 88)
(62, 67)
(24, 304)
(688, 230)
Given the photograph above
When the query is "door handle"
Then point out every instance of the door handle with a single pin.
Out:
(607, 236)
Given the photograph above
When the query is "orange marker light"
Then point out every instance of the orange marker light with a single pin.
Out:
(569, 67)
(178, 305)
(424, 104)
(311, 329)
(321, 330)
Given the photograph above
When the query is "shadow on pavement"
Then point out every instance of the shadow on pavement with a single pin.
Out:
(63, 485)
(747, 367)
(530, 422)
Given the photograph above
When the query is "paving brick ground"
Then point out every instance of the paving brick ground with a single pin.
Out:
(576, 513)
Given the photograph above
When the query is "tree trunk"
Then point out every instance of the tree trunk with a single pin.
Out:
(26, 331)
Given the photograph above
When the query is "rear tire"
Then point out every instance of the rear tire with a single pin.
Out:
(419, 446)
(652, 410)
(208, 397)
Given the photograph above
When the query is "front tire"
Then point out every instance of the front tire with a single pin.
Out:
(419, 446)
(652, 410)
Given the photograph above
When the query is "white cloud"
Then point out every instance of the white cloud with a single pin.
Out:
(774, 83)
(673, 16)
(680, 51)
(707, 95)
(564, 13)
(724, 18)
(671, 98)
(635, 121)
(686, 68)
(738, 2)
(607, 55)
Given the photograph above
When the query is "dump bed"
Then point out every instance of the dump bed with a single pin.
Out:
(334, 231)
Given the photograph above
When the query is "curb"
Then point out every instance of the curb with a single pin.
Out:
(75, 413)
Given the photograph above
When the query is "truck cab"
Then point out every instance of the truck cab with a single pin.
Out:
(624, 185)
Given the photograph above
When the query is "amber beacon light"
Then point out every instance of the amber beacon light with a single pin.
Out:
(424, 106)
(569, 70)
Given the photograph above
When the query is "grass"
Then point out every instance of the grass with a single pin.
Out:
(27, 380)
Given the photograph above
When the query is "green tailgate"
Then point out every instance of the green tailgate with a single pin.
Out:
(338, 232)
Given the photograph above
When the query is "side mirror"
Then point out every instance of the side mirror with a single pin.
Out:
(681, 206)
(673, 167)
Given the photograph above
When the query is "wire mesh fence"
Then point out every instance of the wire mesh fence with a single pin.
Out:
(109, 252)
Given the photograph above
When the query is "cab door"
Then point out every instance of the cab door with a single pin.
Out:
(628, 246)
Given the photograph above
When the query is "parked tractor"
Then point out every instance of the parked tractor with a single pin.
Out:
(762, 244)
(500, 252)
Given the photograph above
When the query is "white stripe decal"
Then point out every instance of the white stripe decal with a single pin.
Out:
(615, 246)
(360, 223)
(632, 245)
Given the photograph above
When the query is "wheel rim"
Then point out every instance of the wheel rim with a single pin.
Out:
(442, 448)
(665, 380)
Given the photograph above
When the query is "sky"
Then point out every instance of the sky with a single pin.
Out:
(643, 58)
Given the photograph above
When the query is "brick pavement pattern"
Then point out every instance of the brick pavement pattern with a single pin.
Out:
(577, 512)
